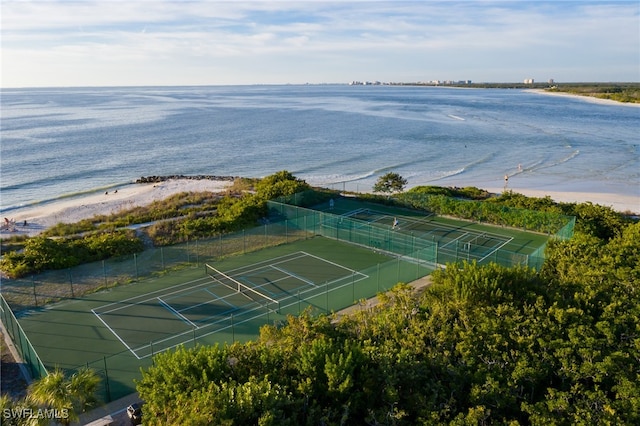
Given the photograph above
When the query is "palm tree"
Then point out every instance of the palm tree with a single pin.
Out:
(65, 395)
(83, 386)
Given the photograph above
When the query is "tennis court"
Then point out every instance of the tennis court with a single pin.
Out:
(216, 301)
(158, 320)
(317, 259)
(471, 244)
(414, 233)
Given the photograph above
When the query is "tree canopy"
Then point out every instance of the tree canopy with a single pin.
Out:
(389, 183)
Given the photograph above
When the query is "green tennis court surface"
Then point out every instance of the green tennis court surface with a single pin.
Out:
(116, 332)
(172, 316)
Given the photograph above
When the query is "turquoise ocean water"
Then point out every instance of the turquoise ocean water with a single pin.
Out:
(64, 142)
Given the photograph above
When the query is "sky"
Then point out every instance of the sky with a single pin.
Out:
(63, 43)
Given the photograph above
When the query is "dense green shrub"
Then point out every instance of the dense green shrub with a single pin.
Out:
(492, 210)
(42, 253)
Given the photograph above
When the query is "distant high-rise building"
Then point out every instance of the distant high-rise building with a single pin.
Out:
(551, 81)
(528, 81)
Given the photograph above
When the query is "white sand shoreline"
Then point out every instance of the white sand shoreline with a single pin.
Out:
(585, 98)
(41, 217)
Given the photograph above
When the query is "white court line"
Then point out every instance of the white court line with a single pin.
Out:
(291, 274)
(189, 332)
(178, 314)
(254, 266)
(353, 272)
(205, 282)
(217, 298)
(455, 240)
(115, 334)
(264, 263)
(496, 249)
(252, 318)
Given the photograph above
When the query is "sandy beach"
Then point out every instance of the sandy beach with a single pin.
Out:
(72, 210)
(618, 202)
(585, 98)
(41, 217)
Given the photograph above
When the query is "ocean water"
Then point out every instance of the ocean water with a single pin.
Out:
(65, 142)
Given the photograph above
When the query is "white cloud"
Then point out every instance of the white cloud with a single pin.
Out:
(173, 39)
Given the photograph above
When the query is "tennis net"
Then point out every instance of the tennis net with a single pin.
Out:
(235, 285)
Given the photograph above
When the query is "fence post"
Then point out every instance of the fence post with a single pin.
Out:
(106, 379)
(162, 257)
(353, 285)
(104, 272)
(71, 283)
(35, 296)
(135, 261)
(326, 289)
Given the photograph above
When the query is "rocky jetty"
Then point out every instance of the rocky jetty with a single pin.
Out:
(156, 179)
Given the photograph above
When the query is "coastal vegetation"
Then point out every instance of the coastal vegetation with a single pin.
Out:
(389, 183)
(41, 253)
(620, 92)
(182, 217)
(57, 396)
(482, 345)
(190, 216)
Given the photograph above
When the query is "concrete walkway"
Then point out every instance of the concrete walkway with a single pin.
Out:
(113, 413)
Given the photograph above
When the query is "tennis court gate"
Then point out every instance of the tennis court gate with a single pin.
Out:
(384, 239)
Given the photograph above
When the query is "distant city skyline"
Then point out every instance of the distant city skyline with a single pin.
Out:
(57, 43)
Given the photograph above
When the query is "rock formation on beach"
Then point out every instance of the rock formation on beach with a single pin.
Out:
(156, 179)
